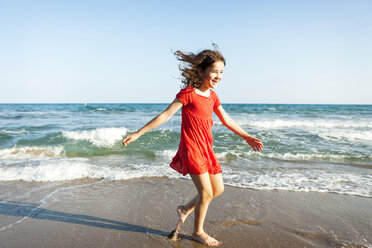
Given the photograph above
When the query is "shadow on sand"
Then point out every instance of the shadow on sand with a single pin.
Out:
(24, 209)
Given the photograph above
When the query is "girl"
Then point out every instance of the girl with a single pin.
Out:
(195, 156)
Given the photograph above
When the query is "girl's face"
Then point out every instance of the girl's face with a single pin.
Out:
(213, 75)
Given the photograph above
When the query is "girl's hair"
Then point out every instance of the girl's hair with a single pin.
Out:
(193, 63)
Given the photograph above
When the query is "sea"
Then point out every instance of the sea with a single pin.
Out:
(318, 148)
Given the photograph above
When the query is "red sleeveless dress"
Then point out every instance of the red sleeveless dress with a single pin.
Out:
(195, 153)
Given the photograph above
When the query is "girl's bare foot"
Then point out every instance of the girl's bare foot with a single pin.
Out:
(182, 215)
(173, 236)
(205, 239)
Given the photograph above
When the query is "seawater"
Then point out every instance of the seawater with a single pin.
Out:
(322, 148)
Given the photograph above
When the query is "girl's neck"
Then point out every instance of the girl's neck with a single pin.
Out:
(205, 93)
(203, 88)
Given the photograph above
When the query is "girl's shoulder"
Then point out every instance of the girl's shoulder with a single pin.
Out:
(187, 89)
(214, 94)
(185, 95)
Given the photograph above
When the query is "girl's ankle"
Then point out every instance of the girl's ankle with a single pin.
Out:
(198, 233)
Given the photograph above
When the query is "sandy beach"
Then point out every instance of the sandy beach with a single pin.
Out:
(141, 212)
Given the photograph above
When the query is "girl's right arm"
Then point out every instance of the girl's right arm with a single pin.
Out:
(162, 118)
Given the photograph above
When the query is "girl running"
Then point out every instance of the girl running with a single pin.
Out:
(195, 156)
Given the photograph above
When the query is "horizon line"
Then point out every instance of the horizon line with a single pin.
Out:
(86, 103)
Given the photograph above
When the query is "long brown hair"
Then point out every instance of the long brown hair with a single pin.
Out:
(193, 64)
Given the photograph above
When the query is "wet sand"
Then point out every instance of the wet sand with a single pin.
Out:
(141, 212)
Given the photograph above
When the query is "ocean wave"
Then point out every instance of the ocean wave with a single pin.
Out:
(310, 180)
(328, 130)
(330, 157)
(71, 169)
(273, 178)
(95, 108)
(352, 135)
(14, 131)
(30, 152)
(99, 137)
(242, 153)
(315, 156)
(166, 153)
(312, 123)
(40, 128)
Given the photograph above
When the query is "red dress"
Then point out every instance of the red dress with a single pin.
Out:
(195, 154)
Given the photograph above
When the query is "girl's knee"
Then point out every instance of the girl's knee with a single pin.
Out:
(206, 195)
(218, 191)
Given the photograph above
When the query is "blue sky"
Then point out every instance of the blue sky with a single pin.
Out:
(317, 51)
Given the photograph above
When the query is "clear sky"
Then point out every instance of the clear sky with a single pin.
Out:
(300, 51)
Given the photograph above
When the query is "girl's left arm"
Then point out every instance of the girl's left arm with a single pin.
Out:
(255, 143)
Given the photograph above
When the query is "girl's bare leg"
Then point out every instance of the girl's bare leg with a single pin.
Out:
(217, 184)
(208, 186)
(183, 211)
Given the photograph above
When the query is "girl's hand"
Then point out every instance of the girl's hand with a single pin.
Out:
(256, 144)
(130, 138)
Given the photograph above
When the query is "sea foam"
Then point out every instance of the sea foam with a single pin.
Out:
(305, 123)
(98, 137)
(77, 168)
(29, 152)
(316, 180)
(296, 179)
(166, 153)
(14, 131)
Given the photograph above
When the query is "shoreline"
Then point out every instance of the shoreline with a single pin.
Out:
(141, 212)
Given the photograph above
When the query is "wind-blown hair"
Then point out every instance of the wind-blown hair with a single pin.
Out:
(194, 64)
